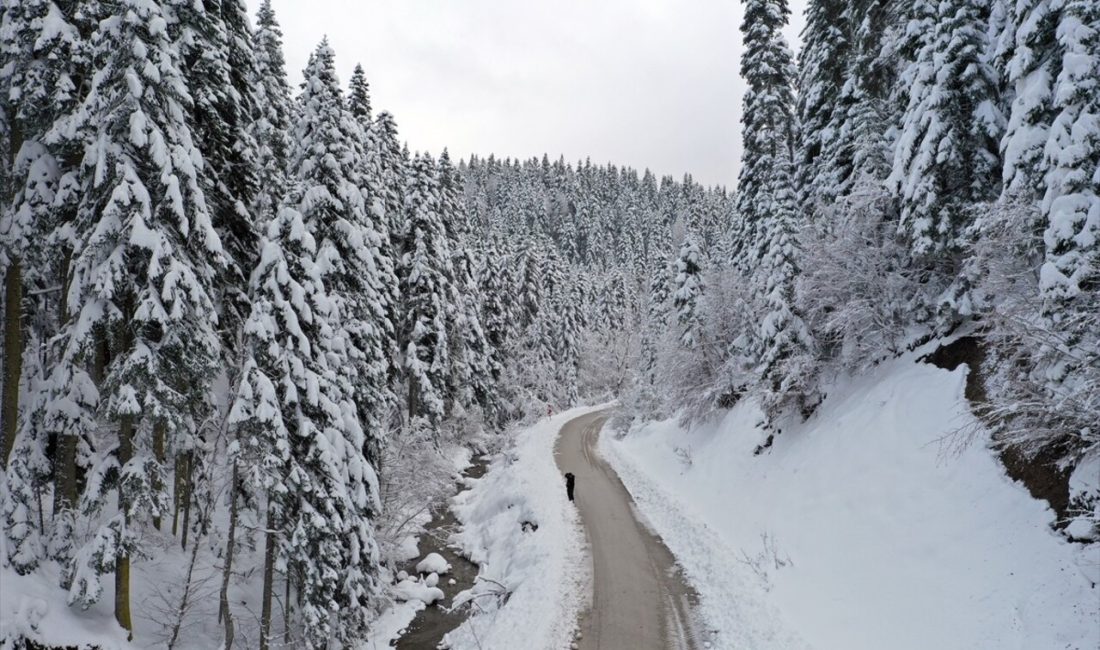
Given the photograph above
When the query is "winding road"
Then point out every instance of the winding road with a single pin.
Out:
(640, 600)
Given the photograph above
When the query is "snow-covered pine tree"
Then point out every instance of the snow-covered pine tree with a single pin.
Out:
(215, 41)
(766, 203)
(497, 316)
(41, 57)
(275, 115)
(657, 311)
(1065, 362)
(529, 289)
(424, 273)
(687, 291)
(946, 159)
(1072, 163)
(317, 356)
(271, 131)
(868, 113)
(359, 97)
(470, 380)
(394, 183)
(327, 163)
(395, 175)
(380, 189)
(767, 135)
(821, 68)
(41, 60)
(292, 416)
(141, 279)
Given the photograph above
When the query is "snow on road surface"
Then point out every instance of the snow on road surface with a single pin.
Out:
(856, 530)
(640, 601)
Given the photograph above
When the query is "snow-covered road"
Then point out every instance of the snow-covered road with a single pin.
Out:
(640, 601)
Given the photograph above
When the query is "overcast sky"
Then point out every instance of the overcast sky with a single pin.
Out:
(645, 83)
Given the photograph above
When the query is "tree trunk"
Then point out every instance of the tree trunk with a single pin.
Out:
(286, 609)
(177, 491)
(269, 577)
(65, 492)
(186, 499)
(412, 399)
(13, 358)
(224, 615)
(122, 563)
(65, 488)
(99, 367)
(159, 432)
(13, 321)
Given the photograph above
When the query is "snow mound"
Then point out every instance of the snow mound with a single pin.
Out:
(433, 563)
(32, 607)
(857, 529)
(411, 589)
(534, 579)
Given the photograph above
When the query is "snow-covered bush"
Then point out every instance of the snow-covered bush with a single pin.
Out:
(717, 369)
(855, 278)
(1043, 367)
(415, 476)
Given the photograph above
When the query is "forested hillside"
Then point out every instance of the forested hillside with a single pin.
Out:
(241, 321)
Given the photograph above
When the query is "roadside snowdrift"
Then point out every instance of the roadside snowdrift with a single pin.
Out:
(856, 530)
(519, 526)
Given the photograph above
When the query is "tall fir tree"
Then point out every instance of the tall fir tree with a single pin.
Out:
(142, 276)
(946, 157)
(215, 41)
(765, 184)
(767, 204)
(821, 76)
(424, 273)
(687, 291)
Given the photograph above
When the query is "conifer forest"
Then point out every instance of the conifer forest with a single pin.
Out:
(251, 340)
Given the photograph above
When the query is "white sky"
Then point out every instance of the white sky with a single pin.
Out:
(644, 83)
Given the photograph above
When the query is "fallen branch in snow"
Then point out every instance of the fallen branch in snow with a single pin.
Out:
(768, 555)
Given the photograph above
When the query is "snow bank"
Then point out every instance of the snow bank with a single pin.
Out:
(857, 531)
(34, 607)
(519, 527)
(391, 624)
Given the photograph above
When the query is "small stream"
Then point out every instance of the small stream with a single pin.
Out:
(433, 622)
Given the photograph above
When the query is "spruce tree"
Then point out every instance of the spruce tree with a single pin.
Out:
(945, 159)
(271, 128)
(293, 417)
(687, 291)
(470, 380)
(215, 41)
(424, 273)
(359, 96)
(142, 275)
(326, 162)
(821, 76)
(766, 206)
(767, 135)
(497, 315)
(41, 61)
(1072, 161)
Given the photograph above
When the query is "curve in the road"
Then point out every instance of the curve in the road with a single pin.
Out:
(640, 601)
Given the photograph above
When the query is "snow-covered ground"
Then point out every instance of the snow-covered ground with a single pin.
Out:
(856, 531)
(519, 527)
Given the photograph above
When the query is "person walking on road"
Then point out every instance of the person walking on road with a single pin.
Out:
(570, 480)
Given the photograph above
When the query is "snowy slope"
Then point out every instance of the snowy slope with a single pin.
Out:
(858, 531)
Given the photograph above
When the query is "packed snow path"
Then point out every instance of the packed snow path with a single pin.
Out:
(640, 601)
